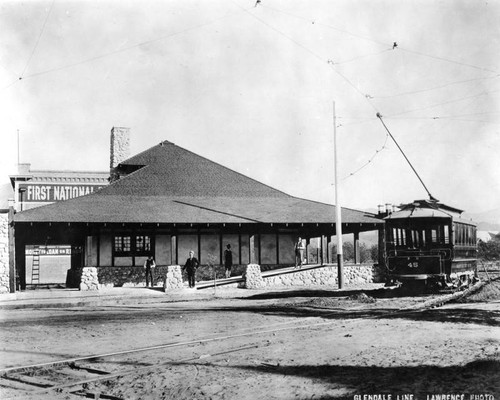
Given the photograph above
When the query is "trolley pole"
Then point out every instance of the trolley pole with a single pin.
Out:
(338, 221)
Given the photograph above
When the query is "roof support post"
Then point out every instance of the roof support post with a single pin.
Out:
(240, 261)
(357, 258)
(221, 245)
(324, 250)
(251, 248)
(12, 251)
(277, 248)
(173, 249)
(20, 257)
(328, 251)
(259, 248)
(308, 242)
(381, 246)
(88, 252)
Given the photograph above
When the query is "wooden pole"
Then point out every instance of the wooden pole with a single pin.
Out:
(338, 221)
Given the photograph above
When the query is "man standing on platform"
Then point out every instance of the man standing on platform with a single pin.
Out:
(228, 260)
(149, 266)
(299, 253)
(191, 266)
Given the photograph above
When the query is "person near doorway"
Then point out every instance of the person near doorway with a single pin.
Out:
(149, 266)
(228, 260)
(191, 266)
(299, 252)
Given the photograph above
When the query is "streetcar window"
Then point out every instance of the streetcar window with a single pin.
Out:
(422, 237)
(446, 234)
(403, 237)
(460, 234)
(415, 239)
(434, 236)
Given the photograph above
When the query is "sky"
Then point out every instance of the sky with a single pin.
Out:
(256, 87)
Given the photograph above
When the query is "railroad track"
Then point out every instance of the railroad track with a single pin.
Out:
(76, 375)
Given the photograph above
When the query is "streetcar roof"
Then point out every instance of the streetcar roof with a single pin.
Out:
(428, 209)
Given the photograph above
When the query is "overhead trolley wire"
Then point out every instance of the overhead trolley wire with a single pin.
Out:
(316, 22)
(368, 97)
(447, 116)
(436, 87)
(443, 103)
(104, 55)
(313, 21)
(328, 62)
(37, 41)
(449, 60)
(369, 160)
(331, 64)
(359, 57)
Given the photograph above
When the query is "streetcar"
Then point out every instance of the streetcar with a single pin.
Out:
(430, 245)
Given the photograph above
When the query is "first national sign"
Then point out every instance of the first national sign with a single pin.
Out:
(50, 192)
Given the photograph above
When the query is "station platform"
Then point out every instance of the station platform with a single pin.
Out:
(61, 298)
(64, 297)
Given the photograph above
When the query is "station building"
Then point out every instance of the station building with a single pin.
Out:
(34, 188)
(165, 202)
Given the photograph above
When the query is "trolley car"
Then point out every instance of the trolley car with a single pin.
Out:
(429, 244)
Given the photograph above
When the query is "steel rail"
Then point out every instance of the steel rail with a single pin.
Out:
(439, 301)
(431, 303)
(127, 372)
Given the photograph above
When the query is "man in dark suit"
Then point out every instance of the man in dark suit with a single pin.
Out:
(149, 266)
(191, 265)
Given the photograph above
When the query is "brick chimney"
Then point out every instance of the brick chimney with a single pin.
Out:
(119, 150)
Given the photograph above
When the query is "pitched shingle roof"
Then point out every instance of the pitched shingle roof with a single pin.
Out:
(170, 170)
(173, 185)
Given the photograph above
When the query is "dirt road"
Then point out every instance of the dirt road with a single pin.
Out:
(289, 344)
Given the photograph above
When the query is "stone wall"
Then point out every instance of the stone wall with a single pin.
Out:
(130, 276)
(4, 253)
(353, 275)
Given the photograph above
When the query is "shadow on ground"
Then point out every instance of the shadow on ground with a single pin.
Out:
(380, 293)
(477, 377)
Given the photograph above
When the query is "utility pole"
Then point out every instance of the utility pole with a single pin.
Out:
(338, 221)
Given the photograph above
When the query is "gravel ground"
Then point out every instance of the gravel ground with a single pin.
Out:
(283, 344)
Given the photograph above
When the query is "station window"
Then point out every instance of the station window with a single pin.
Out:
(142, 244)
(122, 244)
(132, 245)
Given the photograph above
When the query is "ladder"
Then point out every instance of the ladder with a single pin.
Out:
(35, 266)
